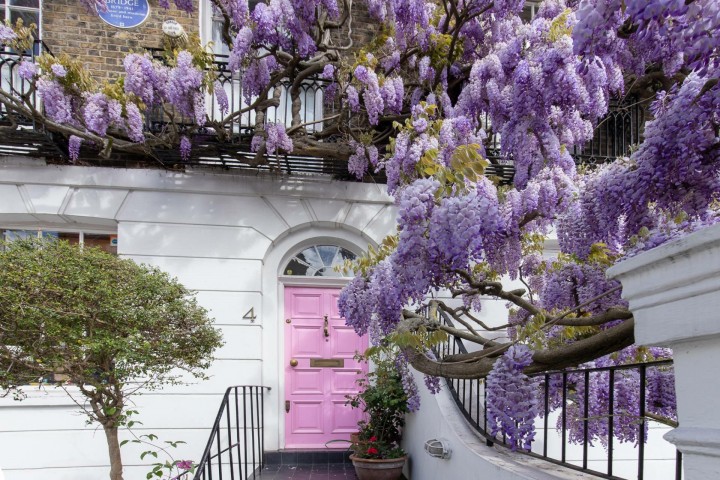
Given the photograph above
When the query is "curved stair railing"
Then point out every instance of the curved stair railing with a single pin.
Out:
(471, 398)
(235, 448)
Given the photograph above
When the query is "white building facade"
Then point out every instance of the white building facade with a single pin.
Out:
(230, 237)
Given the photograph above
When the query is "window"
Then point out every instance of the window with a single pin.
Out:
(28, 10)
(529, 11)
(319, 261)
(311, 94)
(105, 241)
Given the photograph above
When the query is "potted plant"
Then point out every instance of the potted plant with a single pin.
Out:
(377, 454)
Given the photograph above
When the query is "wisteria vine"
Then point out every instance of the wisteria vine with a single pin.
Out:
(444, 89)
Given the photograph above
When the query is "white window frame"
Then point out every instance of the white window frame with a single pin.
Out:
(313, 101)
(39, 10)
(39, 232)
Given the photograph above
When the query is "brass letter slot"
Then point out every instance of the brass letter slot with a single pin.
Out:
(327, 362)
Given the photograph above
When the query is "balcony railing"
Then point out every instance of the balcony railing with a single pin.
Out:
(471, 398)
(615, 134)
(20, 135)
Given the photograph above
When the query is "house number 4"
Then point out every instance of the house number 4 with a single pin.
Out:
(250, 315)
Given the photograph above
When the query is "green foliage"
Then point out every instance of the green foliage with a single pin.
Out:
(559, 26)
(25, 35)
(383, 399)
(364, 263)
(106, 324)
(440, 54)
(77, 77)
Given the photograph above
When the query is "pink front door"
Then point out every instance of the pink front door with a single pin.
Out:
(319, 369)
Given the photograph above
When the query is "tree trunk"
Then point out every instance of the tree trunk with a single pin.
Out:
(116, 468)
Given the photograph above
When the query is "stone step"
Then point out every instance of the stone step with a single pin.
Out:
(307, 457)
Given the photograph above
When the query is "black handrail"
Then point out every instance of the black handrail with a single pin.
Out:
(10, 60)
(236, 450)
(477, 416)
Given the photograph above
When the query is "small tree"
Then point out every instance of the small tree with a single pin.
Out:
(109, 326)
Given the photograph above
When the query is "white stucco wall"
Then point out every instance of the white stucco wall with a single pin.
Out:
(439, 418)
(674, 294)
(226, 236)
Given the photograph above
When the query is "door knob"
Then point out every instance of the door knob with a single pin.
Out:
(293, 363)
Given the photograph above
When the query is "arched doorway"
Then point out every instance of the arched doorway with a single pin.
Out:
(320, 368)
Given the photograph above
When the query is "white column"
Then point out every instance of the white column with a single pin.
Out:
(674, 294)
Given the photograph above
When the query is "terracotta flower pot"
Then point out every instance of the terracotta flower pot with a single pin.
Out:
(376, 469)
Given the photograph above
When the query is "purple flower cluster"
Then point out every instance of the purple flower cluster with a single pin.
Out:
(680, 149)
(27, 70)
(659, 393)
(99, 113)
(7, 34)
(221, 97)
(277, 139)
(328, 72)
(91, 5)
(185, 148)
(134, 123)
(512, 398)
(58, 105)
(184, 88)
(358, 161)
(242, 47)
(58, 70)
(185, 5)
(408, 383)
(142, 78)
(372, 95)
(74, 147)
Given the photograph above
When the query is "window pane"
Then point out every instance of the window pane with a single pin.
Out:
(219, 46)
(72, 238)
(104, 242)
(319, 261)
(327, 253)
(296, 268)
(25, 3)
(27, 17)
(12, 235)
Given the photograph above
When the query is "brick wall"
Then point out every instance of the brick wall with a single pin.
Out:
(68, 28)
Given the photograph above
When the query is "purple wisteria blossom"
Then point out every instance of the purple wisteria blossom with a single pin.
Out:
(513, 401)
(185, 148)
(277, 139)
(27, 70)
(74, 147)
(58, 70)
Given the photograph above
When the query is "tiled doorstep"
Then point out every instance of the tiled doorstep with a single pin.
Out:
(307, 457)
(330, 471)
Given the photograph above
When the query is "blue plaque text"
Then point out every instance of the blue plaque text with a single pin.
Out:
(125, 13)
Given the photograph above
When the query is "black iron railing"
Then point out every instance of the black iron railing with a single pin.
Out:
(10, 60)
(614, 136)
(240, 128)
(471, 398)
(20, 135)
(225, 142)
(237, 441)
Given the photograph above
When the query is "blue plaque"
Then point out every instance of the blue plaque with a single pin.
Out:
(125, 13)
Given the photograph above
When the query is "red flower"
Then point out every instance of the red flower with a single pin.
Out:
(372, 451)
(373, 439)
